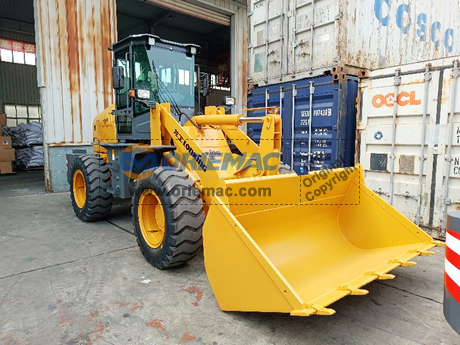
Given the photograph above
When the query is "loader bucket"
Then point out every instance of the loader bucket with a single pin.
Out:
(302, 247)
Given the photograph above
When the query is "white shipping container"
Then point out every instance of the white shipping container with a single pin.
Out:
(296, 39)
(409, 141)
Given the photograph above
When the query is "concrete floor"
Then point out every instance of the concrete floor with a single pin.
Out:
(67, 282)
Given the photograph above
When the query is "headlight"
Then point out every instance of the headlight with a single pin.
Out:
(143, 94)
(229, 101)
(151, 41)
(193, 50)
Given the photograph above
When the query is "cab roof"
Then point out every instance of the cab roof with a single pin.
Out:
(144, 39)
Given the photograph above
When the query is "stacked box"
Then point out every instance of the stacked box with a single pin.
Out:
(6, 150)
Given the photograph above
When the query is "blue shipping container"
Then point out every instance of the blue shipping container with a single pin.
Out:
(333, 128)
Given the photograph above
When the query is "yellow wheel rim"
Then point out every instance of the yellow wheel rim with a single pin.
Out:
(151, 218)
(79, 188)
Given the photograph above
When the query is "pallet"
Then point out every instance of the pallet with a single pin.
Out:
(40, 168)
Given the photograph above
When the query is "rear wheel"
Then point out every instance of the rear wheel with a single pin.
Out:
(90, 178)
(168, 217)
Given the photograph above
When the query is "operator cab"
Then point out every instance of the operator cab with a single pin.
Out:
(146, 70)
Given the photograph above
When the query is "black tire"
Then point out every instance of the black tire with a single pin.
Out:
(285, 169)
(97, 178)
(183, 217)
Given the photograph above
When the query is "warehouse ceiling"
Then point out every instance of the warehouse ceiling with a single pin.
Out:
(134, 11)
(17, 15)
(137, 16)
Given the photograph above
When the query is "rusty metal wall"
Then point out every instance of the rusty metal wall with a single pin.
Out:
(74, 65)
(296, 39)
(74, 74)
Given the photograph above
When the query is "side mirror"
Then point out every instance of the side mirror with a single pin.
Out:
(118, 75)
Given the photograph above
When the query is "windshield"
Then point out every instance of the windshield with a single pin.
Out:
(169, 75)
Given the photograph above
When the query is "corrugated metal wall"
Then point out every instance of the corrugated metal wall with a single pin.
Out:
(74, 65)
(18, 84)
(74, 74)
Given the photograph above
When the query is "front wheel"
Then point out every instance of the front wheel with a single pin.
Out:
(89, 179)
(168, 217)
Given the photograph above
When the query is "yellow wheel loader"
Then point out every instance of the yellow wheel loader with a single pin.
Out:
(273, 241)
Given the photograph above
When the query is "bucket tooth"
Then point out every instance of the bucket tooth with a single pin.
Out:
(421, 252)
(381, 276)
(303, 312)
(403, 263)
(353, 291)
(439, 243)
(320, 310)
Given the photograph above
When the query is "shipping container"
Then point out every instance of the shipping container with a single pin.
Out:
(409, 132)
(329, 139)
(295, 39)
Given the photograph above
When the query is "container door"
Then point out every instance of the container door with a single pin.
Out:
(272, 96)
(315, 144)
(447, 179)
(312, 35)
(330, 139)
(398, 140)
(266, 40)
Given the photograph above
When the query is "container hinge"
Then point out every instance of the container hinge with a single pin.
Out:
(250, 46)
(423, 158)
(250, 13)
(335, 127)
(448, 201)
(456, 71)
(428, 75)
(407, 195)
(397, 81)
(381, 192)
